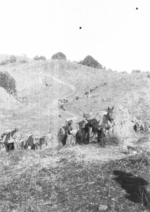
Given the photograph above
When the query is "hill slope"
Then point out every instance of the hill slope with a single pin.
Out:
(41, 83)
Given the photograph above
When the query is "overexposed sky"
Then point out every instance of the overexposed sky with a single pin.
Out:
(113, 31)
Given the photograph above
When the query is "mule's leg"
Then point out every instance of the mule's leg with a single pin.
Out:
(72, 140)
(89, 135)
(103, 138)
(34, 146)
(102, 142)
(9, 147)
(60, 140)
(78, 137)
(68, 140)
(6, 147)
(65, 139)
(12, 146)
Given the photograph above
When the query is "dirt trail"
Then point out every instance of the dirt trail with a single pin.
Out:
(55, 102)
(61, 82)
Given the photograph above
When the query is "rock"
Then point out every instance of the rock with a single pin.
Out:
(102, 207)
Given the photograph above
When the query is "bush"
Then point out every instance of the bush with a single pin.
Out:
(8, 83)
(91, 62)
(39, 58)
(148, 76)
(136, 71)
(59, 56)
(3, 63)
(12, 59)
(112, 140)
(42, 58)
(35, 58)
(23, 61)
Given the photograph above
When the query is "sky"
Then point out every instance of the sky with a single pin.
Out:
(115, 32)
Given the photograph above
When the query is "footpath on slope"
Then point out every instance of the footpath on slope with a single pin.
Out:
(62, 82)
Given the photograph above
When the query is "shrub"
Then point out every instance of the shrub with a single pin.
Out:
(86, 93)
(8, 83)
(12, 59)
(39, 58)
(3, 63)
(112, 140)
(136, 71)
(35, 58)
(91, 62)
(42, 58)
(148, 76)
(23, 61)
(59, 56)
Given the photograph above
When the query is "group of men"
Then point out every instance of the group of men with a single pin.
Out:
(92, 127)
(10, 141)
(139, 126)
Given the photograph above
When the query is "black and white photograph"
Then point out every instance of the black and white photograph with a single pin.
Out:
(74, 105)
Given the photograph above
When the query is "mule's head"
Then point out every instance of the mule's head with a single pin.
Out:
(110, 114)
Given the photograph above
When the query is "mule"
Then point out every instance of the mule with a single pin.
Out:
(82, 132)
(108, 120)
(96, 128)
(42, 140)
(29, 143)
(62, 136)
(8, 140)
(66, 134)
(71, 137)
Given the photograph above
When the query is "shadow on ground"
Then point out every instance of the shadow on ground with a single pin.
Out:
(135, 187)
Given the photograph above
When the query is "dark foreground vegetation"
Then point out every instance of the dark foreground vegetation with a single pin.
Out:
(58, 181)
(7, 82)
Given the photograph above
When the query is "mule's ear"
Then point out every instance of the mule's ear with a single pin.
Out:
(112, 108)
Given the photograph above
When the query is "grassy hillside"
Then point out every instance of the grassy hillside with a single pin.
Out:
(40, 84)
(81, 177)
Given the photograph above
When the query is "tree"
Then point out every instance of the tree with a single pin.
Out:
(59, 56)
(35, 58)
(39, 58)
(42, 58)
(91, 62)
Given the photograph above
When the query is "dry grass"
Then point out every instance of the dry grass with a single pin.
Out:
(112, 140)
(71, 179)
